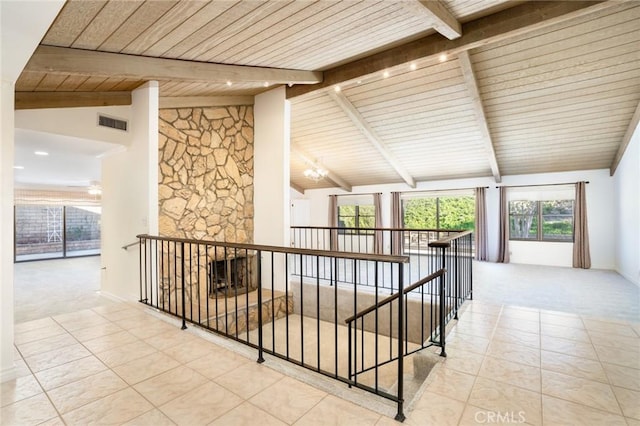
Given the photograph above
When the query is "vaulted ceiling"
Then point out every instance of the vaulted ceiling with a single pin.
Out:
(381, 91)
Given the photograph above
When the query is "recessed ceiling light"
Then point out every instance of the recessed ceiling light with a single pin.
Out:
(442, 57)
(18, 167)
(42, 153)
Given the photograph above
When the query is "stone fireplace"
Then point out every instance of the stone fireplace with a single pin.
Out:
(205, 191)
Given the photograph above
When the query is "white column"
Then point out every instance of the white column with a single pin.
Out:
(130, 197)
(22, 26)
(271, 199)
(7, 371)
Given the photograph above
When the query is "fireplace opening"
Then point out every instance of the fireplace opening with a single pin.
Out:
(228, 277)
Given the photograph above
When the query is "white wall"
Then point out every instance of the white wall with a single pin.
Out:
(78, 122)
(627, 201)
(22, 26)
(271, 168)
(600, 200)
(130, 197)
(272, 207)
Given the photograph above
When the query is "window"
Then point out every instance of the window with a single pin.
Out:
(356, 216)
(446, 212)
(541, 220)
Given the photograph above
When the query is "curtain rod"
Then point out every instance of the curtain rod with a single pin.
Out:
(356, 194)
(540, 184)
(441, 190)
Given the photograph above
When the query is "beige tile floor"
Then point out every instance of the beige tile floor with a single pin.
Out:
(118, 364)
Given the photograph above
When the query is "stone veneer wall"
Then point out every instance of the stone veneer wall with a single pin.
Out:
(205, 188)
(206, 173)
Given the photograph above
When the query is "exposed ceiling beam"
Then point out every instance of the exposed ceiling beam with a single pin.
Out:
(37, 100)
(633, 125)
(51, 59)
(476, 101)
(371, 135)
(517, 20)
(444, 22)
(203, 101)
(337, 180)
(296, 187)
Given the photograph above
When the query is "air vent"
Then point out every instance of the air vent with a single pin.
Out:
(114, 123)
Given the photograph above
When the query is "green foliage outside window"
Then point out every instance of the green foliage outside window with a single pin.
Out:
(440, 213)
(556, 217)
(356, 216)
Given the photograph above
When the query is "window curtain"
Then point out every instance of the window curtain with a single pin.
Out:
(503, 243)
(396, 223)
(378, 238)
(333, 222)
(481, 224)
(581, 255)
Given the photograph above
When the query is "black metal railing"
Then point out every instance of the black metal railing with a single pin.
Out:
(413, 329)
(268, 298)
(428, 250)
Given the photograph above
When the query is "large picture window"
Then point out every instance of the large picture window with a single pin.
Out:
(439, 212)
(550, 220)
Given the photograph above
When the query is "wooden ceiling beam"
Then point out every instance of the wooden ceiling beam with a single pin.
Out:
(64, 60)
(476, 101)
(444, 22)
(331, 176)
(517, 20)
(371, 135)
(39, 100)
(631, 128)
(296, 187)
(203, 101)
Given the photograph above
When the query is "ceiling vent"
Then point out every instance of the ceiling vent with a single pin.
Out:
(113, 123)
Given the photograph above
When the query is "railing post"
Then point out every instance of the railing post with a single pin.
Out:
(259, 278)
(349, 353)
(443, 326)
(401, 327)
(184, 323)
(140, 269)
(456, 278)
(470, 269)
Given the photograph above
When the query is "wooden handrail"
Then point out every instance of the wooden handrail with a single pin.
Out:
(130, 245)
(394, 296)
(446, 241)
(331, 228)
(288, 250)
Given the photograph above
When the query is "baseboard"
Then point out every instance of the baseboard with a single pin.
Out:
(7, 374)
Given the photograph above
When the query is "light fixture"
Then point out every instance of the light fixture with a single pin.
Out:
(315, 173)
(41, 153)
(336, 88)
(413, 66)
(442, 57)
(18, 167)
(266, 84)
(95, 189)
(385, 74)
(229, 83)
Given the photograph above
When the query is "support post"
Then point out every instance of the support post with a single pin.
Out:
(184, 323)
(400, 415)
(259, 278)
(443, 327)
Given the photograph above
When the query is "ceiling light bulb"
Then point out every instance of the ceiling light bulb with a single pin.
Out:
(41, 153)
(442, 57)
(359, 82)
(413, 67)
(385, 74)
(229, 83)
(336, 88)
(18, 167)
(266, 84)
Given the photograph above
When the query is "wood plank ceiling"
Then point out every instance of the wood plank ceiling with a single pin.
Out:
(513, 88)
